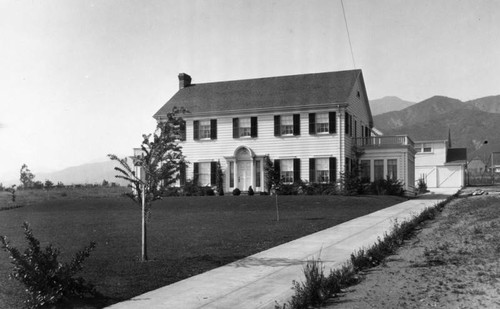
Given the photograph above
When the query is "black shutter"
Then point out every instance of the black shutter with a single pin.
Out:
(333, 169)
(196, 130)
(182, 174)
(277, 125)
(236, 128)
(312, 170)
(213, 173)
(277, 168)
(332, 122)
(296, 124)
(312, 123)
(196, 169)
(346, 121)
(213, 128)
(253, 127)
(182, 130)
(296, 170)
(350, 125)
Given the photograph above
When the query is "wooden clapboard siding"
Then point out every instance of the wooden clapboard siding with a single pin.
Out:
(302, 146)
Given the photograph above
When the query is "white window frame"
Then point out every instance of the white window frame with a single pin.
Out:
(245, 127)
(205, 129)
(286, 171)
(388, 171)
(286, 125)
(322, 123)
(204, 173)
(322, 174)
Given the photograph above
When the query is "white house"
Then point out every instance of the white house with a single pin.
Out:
(439, 165)
(313, 126)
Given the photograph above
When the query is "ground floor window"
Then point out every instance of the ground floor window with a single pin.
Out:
(286, 171)
(392, 168)
(365, 169)
(257, 173)
(322, 170)
(204, 174)
(378, 169)
(231, 174)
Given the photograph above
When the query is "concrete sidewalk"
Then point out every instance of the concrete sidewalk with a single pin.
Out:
(260, 280)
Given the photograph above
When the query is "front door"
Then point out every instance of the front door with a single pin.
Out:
(244, 175)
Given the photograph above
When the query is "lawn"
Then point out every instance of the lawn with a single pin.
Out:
(187, 235)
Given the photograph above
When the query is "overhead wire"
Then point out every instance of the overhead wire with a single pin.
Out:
(348, 35)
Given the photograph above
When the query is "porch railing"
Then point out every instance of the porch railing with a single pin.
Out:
(384, 141)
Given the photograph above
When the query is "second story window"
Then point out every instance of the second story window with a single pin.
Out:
(423, 147)
(287, 125)
(320, 123)
(245, 127)
(205, 129)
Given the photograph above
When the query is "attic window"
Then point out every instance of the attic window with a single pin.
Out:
(358, 95)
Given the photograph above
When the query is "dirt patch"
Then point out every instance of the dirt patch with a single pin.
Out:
(452, 262)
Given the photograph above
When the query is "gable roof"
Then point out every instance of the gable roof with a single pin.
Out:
(271, 93)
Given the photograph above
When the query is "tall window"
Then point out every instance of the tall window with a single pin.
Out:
(287, 125)
(322, 123)
(392, 168)
(245, 127)
(378, 169)
(286, 171)
(205, 129)
(322, 170)
(231, 174)
(204, 173)
(365, 169)
(257, 173)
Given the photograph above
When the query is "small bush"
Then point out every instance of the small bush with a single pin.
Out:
(46, 279)
(421, 186)
(236, 191)
(250, 191)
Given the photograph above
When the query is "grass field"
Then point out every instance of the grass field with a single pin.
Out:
(187, 235)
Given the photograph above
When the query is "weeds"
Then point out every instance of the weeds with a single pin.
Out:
(317, 288)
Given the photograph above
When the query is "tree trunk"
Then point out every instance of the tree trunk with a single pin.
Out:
(144, 230)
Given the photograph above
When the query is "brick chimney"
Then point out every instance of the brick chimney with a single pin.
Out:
(184, 80)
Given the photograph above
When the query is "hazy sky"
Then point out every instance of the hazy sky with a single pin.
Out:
(81, 79)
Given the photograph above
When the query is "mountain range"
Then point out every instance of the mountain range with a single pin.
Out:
(388, 104)
(469, 123)
(91, 173)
